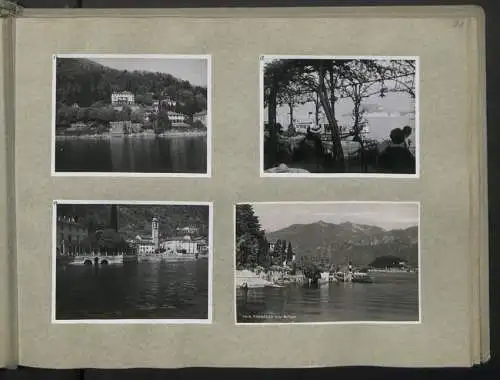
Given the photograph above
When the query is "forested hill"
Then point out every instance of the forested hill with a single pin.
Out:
(136, 220)
(361, 243)
(88, 83)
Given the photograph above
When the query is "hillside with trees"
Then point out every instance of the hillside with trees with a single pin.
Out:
(85, 82)
(89, 85)
(105, 222)
(336, 243)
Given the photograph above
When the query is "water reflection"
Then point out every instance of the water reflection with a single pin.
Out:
(170, 290)
(142, 155)
(392, 297)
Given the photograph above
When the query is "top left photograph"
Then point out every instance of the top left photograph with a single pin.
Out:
(131, 115)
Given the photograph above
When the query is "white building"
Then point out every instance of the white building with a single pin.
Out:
(176, 117)
(185, 245)
(144, 245)
(123, 97)
(201, 117)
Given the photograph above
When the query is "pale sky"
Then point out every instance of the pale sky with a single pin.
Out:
(193, 70)
(275, 216)
(379, 128)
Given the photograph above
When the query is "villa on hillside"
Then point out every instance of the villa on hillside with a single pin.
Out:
(190, 230)
(176, 117)
(122, 97)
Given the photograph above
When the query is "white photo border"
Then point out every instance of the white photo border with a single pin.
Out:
(262, 172)
(131, 321)
(367, 323)
(208, 174)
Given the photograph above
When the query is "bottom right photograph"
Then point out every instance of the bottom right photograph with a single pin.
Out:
(327, 262)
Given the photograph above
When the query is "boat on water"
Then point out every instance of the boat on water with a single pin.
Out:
(355, 277)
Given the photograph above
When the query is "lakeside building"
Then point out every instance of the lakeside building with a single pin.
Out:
(144, 245)
(149, 245)
(122, 97)
(119, 128)
(187, 244)
(156, 106)
(201, 117)
(176, 117)
(76, 127)
(189, 230)
(69, 234)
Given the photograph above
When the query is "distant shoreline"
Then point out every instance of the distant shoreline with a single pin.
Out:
(106, 136)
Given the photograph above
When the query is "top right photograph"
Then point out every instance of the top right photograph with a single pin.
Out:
(339, 116)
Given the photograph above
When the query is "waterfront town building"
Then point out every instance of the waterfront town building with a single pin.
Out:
(122, 97)
(144, 245)
(155, 233)
(186, 244)
(70, 234)
(201, 117)
(176, 117)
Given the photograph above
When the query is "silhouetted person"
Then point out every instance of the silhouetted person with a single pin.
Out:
(396, 158)
(310, 152)
(407, 133)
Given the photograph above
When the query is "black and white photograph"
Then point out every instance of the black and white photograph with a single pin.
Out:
(339, 116)
(131, 115)
(132, 262)
(327, 262)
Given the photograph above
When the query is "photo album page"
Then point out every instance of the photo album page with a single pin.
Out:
(262, 188)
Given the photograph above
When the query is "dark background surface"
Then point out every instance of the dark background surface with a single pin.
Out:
(487, 371)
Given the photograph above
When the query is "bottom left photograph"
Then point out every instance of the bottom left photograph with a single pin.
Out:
(132, 262)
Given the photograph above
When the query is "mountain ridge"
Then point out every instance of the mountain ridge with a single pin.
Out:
(339, 242)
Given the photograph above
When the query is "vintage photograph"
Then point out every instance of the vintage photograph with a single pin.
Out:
(131, 115)
(327, 262)
(339, 117)
(132, 262)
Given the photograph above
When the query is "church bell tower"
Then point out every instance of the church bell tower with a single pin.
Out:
(155, 233)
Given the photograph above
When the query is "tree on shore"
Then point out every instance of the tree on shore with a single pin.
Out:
(289, 252)
(251, 244)
(163, 122)
(312, 272)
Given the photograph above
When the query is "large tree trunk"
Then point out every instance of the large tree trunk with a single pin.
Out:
(317, 105)
(328, 104)
(290, 106)
(273, 132)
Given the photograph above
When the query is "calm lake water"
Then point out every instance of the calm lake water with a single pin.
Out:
(136, 155)
(162, 290)
(392, 297)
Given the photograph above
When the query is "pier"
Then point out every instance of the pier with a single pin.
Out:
(93, 258)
